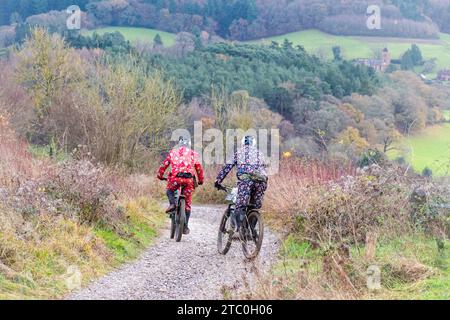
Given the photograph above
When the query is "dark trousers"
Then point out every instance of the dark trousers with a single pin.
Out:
(249, 192)
(172, 200)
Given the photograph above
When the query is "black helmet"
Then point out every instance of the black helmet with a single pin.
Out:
(183, 141)
(249, 141)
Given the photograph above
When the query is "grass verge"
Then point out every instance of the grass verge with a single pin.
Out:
(137, 234)
(36, 263)
(412, 267)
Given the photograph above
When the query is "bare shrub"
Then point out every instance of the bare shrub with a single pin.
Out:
(333, 204)
(87, 188)
(121, 115)
(344, 212)
(120, 112)
(289, 191)
(76, 187)
(14, 100)
(45, 67)
(139, 185)
(15, 161)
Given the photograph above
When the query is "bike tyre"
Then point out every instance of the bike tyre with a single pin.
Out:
(181, 220)
(173, 224)
(260, 231)
(221, 236)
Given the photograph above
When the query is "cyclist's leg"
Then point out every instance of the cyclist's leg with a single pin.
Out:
(170, 192)
(257, 196)
(259, 188)
(243, 198)
(187, 192)
(171, 196)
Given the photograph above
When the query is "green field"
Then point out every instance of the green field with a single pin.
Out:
(137, 34)
(3, 52)
(321, 43)
(429, 149)
(446, 114)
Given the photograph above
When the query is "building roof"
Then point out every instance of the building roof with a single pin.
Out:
(444, 72)
(370, 62)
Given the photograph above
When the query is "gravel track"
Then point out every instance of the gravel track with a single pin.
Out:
(207, 275)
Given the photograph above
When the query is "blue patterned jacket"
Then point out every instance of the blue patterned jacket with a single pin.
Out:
(248, 160)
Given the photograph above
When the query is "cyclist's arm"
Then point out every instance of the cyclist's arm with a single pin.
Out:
(262, 161)
(162, 169)
(199, 170)
(226, 170)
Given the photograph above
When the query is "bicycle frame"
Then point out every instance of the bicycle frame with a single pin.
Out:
(179, 195)
(178, 219)
(232, 205)
(247, 233)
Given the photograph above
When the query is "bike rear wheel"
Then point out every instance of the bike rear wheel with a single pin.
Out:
(173, 224)
(252, 234)
(224, 237)
(181, 219)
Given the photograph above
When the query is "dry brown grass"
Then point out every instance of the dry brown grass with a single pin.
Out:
(140, 185)
(50, 212)
(300, 286)
(409, 270)
(14, 100)
(289, 190)
(16, 162)
(343, 220)
(330, 204)
(207, 193)
(54, 216)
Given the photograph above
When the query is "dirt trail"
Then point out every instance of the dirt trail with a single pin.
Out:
(156, 274)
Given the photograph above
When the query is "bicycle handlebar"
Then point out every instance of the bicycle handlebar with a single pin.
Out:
(219, 187)
(222, 188)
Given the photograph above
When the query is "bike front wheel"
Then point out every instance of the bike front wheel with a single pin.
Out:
(252, 234)
(224, 237)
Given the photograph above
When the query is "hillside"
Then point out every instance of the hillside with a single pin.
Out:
(136, 34)
(245, 19)
(320, 43)
(83, 129)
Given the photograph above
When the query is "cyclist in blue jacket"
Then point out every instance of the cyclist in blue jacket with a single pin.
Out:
(252, 178)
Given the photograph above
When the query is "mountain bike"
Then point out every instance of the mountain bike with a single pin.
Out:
(178, 215)
(251, 233)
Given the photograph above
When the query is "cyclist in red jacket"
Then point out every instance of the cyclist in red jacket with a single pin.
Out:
(184, 165)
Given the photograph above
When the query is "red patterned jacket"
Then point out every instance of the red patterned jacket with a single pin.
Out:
(182, 160)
